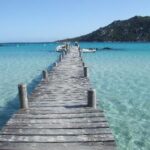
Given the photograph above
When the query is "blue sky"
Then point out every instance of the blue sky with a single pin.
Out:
(49, 20)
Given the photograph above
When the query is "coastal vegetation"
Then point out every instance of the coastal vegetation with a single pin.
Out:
(134, 29)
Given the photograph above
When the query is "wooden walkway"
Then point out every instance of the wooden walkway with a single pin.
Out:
(58, 117)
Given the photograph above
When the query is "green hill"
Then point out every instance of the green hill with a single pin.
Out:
(133, 29)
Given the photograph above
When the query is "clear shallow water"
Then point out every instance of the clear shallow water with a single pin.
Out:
(121, 77)
(21, 63)
(122, 80)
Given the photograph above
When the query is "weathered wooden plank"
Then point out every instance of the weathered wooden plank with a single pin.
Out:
(59, 111)
(58, 121)
(57, 132)
(55, 123)
(58, 146)
(57, 105)
(59, 126)
(58, 139)
(87, 115)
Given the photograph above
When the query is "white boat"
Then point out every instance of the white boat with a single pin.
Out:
(61, 48)
(84, 50)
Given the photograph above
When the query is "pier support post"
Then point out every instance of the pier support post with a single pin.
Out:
(55, 64)
(45, 75)
(60, 58)
(83, 64)
(91, 95)
(85, 71)
(63, 54)
(79, 52)
(67, 46)
(22, 92)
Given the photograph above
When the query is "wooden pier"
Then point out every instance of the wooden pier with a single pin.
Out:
(60, 114)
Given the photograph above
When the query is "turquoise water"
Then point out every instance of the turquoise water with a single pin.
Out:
(21, 63)
(122, 80)
(121, 77)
